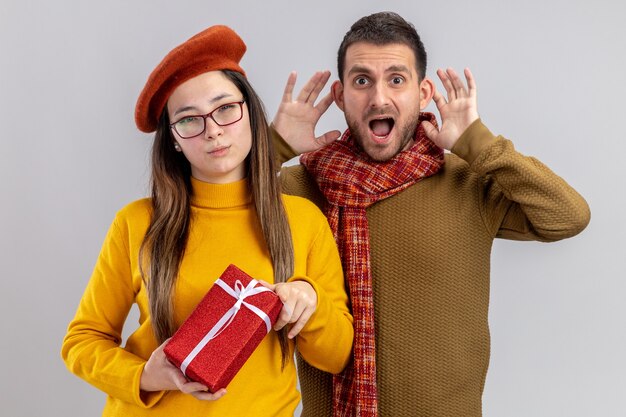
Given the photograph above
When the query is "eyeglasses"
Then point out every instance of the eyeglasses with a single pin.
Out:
(191, 126)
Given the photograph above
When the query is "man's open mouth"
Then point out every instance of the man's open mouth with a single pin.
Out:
(381, 127)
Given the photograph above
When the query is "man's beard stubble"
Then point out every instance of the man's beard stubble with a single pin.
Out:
(407, 134)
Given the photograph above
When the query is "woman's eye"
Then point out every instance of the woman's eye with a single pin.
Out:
(226, 107)
(186, 120)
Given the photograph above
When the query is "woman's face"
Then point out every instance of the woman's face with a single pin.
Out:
(218, 154)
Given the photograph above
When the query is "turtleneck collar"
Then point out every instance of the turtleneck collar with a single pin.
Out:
(217, 196)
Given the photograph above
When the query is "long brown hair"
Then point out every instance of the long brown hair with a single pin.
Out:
(164, 244)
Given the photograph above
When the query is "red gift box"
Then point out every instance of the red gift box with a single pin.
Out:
(224, 329)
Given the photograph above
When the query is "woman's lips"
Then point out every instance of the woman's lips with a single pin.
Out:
(219, 151)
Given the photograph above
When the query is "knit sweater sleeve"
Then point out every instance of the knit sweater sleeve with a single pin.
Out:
(283, 152)
(520, 197)
(91, 348)
(326, 340)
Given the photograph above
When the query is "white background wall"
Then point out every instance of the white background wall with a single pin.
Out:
(551, 78)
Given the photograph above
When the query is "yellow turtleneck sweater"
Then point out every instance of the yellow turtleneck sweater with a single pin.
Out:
(224, 230)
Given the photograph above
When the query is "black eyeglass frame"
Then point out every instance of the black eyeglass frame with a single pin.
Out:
(205, 116)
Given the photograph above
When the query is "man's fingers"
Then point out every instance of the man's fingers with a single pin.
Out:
(471, 83)
(307, 88)
(447, 84)
(291, 82)
(453, 83)
(430, 130)
(457, 83)
(328, 137)
(312, 88)
(324, 103)
(439, 99)
(319, 86)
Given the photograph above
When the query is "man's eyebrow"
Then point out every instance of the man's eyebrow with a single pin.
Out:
(359, 69)
(362, 69)
(398, 68)
(211, 101)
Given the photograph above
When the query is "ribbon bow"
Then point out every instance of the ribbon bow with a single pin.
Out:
(240, 293)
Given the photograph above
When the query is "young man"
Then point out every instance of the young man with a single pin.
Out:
(414, 226)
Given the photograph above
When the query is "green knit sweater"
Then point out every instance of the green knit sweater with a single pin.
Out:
(430, 258)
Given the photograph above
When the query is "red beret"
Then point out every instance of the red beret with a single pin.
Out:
(215, 48)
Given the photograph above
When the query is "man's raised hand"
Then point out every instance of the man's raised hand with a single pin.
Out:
(296, 119)
(457, 112)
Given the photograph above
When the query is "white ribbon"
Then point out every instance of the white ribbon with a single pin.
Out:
(240, 293)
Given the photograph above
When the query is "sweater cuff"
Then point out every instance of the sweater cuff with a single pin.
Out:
(284, 152)
(476, 138)
(145, 399)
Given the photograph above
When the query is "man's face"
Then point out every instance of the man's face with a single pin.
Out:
(381, 97)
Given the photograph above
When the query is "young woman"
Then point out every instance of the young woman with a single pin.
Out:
(215, 201)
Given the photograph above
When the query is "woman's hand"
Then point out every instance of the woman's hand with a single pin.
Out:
(160, 375)
(299, 303)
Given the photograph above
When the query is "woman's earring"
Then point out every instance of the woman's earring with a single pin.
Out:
(177, 147)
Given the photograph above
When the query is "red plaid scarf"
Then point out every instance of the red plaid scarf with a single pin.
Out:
(351, 182)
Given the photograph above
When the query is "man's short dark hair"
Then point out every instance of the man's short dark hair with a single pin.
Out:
(384, 28)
